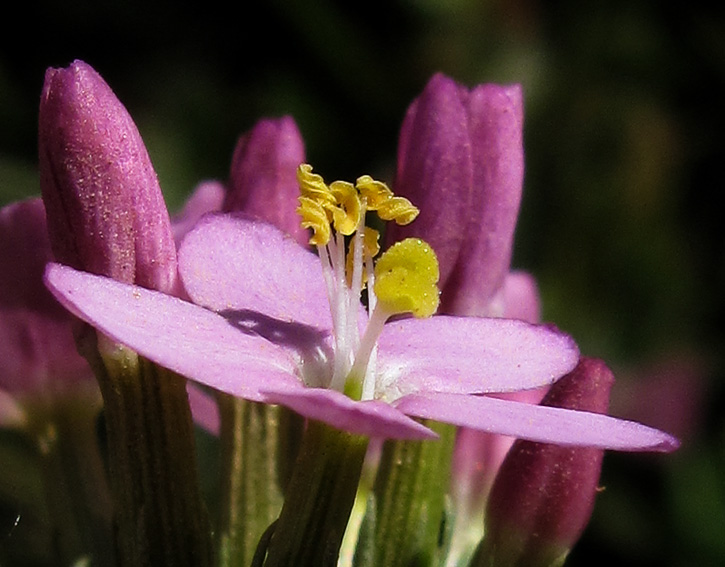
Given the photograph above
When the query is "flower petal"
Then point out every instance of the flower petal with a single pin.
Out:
(370, 417)
(207, 197)
(230, 262)
(470, 355)
(37, 349)
(204, 409)
(537, 423)
(12, 414)
(521, 297)
(188, 339)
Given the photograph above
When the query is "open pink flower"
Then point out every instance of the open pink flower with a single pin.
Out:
(261, 328)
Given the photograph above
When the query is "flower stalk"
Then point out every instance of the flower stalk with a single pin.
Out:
(74, 478)
(159, 515)
(319, 499)
(409, 492)
(252, 438)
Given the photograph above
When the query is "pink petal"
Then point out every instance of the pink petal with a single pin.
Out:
(371, 417)
(12, 413)
(188, 339)
(471, 355)
(37, 351)
(206, 198)
(521, 297)
(204, 409)
(229, 262)
(537, 423)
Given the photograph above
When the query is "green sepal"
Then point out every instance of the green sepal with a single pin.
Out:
(160, 518)
(256, 444)
(410, 491)
(318, 500)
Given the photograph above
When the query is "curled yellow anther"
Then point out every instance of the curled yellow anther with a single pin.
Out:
(376, 192)
(406, 278)
(316, 201)
(380, 198)
(314, 216)
(398, 209)
(313, 186)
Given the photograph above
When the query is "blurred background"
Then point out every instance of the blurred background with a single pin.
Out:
(620, 222)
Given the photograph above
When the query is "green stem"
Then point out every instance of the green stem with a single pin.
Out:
(254, 448)
(410, 489)
(159, 515)
(318, 500)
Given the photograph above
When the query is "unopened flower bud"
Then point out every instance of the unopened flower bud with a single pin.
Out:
(106, 213)
(544, 494)
(263, 176)
(460, 160)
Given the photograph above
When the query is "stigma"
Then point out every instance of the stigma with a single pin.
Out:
(404, 280)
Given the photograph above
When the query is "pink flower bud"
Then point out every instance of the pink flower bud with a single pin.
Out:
(460, 160)
(263, 177)
(544, 494)
(105, 210)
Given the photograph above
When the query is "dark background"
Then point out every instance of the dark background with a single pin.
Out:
(622, 210)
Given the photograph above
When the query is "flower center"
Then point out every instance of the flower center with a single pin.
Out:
(404, 279)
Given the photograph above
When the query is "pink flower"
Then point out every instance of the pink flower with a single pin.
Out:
(261, 328)
(39, 358)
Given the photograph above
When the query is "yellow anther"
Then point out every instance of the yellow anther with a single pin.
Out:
(371, 243)
(346, 209)
(371, 247)
(406, 278)
(380, 198)
(376, 192)
(313, 186)
(314, 216)
(398, 209)
(316, 201)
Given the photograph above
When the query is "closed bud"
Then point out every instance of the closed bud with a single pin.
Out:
(105, 210)
(543, 495)
(461, 161)
(263, 176)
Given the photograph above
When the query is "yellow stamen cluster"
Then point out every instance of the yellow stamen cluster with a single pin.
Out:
(341, 204)
(404, 280)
